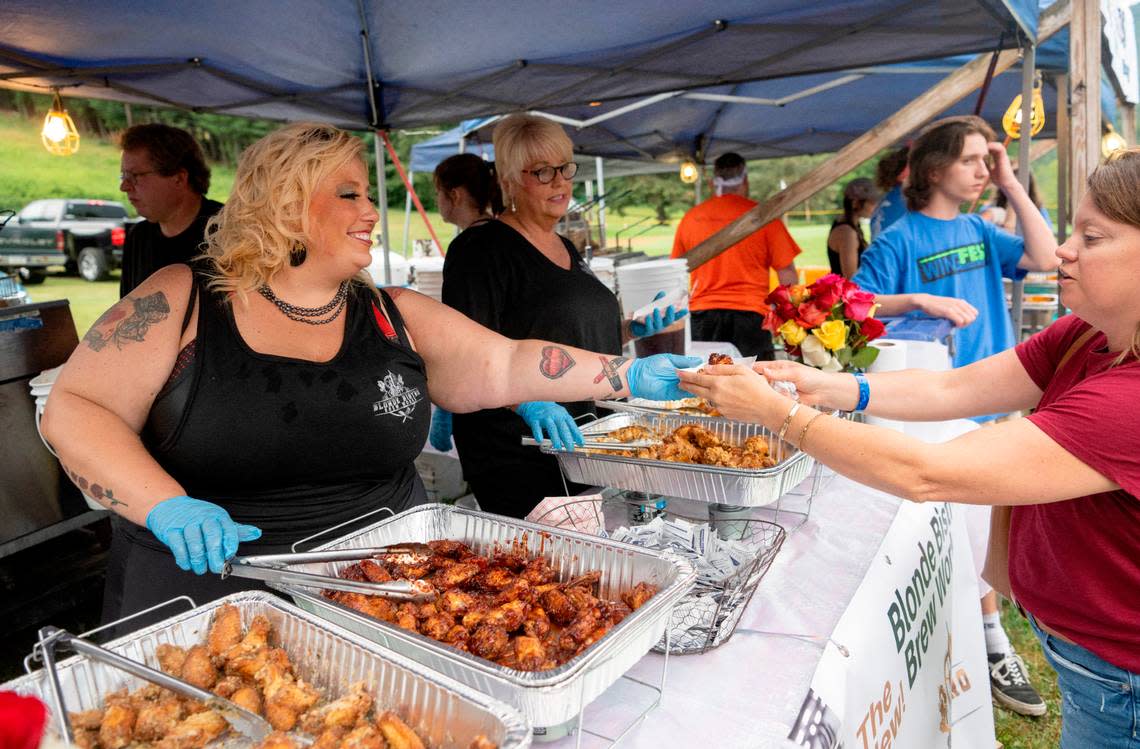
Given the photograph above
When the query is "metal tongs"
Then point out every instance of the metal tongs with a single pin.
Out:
(242, 721)
(273, 568)
(593, 444)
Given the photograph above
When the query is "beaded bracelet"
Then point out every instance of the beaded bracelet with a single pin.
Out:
(788, 420)
(864, 390)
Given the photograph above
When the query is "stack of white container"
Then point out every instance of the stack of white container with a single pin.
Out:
(429, 276)
(638, 283)
(398, 265)
(603, 268)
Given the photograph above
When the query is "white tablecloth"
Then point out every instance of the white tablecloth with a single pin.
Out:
(748, 692)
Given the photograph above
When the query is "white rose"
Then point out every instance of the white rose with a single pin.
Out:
(815, 355)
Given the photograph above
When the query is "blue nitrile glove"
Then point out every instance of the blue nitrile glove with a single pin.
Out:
(655, 377)
(198, 533)
(553, 420)
(440, 434)
(656, 321)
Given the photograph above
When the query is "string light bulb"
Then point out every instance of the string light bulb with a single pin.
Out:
(58, 134)
(1011, 120)
(1111, 142)
(689, 172)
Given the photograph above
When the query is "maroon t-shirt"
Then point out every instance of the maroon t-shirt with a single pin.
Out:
(1076, 564)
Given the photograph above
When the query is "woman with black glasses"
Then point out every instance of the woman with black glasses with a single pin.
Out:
(518, 277)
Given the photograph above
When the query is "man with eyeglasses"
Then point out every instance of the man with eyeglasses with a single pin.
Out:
(727, 293)
(166, 179)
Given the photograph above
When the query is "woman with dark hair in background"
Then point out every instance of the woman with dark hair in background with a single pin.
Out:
(846, 242)
(890, 176)
(468, 194)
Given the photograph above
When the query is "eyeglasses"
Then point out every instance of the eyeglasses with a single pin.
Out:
(545, 175)
(132, 177)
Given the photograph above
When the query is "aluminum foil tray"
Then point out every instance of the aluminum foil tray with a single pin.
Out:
(749, 487)
(445, 714)
(546, 698)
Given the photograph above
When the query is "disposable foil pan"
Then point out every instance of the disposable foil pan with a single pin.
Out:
(447, 715)
(749, 487)
(546, 698)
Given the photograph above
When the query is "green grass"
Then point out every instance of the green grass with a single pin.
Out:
(1017, 731)
(87, 300)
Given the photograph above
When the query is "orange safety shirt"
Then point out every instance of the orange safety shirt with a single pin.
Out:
(738, 277)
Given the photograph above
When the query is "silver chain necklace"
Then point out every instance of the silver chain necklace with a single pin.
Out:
(308, 315)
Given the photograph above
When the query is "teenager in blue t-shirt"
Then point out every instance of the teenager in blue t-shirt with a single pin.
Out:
(939, 261)
(948, 264)
(890, 175)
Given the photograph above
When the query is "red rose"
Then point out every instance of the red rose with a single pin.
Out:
(828, 290)
(780, 295)
(772, 322)
(857, 305)
(872, 328)
(809, 316)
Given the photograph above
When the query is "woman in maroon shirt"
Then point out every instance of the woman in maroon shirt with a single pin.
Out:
(1071, 470)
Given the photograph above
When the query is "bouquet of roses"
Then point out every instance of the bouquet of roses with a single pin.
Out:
(826, 325)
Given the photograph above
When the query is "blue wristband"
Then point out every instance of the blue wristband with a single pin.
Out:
(864, 390)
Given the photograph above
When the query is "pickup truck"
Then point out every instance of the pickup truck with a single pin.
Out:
(84, 236)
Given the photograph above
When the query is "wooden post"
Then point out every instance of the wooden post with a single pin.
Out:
(941, 96)
(1064, 156)
(1127, 121)
(1084, 92)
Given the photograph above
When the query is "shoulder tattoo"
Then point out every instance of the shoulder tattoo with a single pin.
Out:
(125, 322)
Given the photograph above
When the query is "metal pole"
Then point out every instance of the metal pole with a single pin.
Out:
(601, 203)
(1064, 156)
(382, 189)
(1028, 73)
(407, 217)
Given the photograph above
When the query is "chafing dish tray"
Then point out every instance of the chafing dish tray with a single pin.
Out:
(447, 715)
(750, 487)
(546, 698)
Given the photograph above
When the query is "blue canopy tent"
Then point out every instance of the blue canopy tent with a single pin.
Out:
(389, 64)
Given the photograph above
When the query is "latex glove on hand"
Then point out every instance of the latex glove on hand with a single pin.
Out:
(200, 534)
(545, 417)
(656, 321)
(440, 433)
(655, 377)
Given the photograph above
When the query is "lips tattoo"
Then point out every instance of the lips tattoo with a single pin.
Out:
(555, 362)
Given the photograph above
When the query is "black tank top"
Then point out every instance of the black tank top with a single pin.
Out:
(833, 256)
(289, 445)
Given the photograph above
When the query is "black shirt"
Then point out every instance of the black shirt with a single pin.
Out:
(500, 280)
(833, 256)
(146, 248)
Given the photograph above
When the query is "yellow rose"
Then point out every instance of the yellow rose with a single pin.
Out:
(832, 334)
(798, 292)
(792, 334)
(873, 310)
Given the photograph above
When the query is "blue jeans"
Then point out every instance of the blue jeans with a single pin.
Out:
(1100, 702)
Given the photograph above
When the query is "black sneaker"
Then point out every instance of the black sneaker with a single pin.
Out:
(1010, 685)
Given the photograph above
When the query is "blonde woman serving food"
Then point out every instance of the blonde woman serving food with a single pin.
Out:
(271, 391)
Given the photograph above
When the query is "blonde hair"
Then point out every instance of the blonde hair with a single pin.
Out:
(1112, 188)
(523, 138)
(267, 214)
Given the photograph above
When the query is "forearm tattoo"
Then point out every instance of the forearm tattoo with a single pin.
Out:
(97, 492)
(555, 362)
(610, 371)
(119, 326)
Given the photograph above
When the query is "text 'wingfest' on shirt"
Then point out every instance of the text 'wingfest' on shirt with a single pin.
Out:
(965, 258)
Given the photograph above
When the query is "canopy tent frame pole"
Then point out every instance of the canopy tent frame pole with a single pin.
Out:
(1025, 170)
(601, 178)
(408, 215)
(1064, 154)
(936, 99)
(377, 133)
(411, 190)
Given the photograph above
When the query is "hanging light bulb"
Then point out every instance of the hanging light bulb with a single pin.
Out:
(1111, 142)
(689, 172)
(58, 134)
(1011, 120)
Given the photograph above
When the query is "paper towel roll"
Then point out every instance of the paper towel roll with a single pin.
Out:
(891, 358)
(927, 355)
(892, 355)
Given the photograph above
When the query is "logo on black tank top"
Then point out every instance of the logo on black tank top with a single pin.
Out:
(399, 399)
